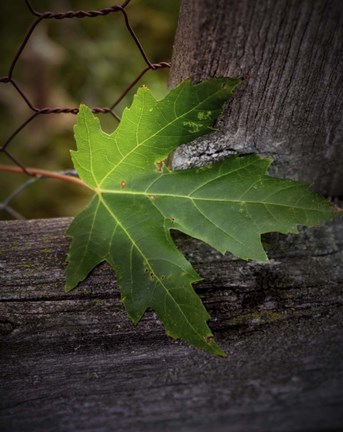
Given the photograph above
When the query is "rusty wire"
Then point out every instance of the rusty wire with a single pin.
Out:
(36, 111)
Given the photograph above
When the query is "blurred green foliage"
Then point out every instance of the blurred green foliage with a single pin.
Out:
(89, 60)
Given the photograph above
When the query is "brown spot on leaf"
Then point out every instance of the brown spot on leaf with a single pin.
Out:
(159, 166)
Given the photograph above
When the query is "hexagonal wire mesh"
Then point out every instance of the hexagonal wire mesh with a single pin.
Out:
(16, 164)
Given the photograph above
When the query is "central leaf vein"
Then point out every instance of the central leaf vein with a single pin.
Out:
(138, 144)
(146, 259)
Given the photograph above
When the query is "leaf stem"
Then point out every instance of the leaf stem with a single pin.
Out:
(35, 172)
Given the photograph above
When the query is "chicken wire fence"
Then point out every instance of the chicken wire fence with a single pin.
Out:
(14, 163)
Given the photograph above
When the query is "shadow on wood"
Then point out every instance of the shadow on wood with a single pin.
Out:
(75, 362)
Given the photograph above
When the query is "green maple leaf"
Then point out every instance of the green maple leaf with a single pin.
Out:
(138, 200)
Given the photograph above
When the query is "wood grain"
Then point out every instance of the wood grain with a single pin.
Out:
(290, 104)
(73, 361)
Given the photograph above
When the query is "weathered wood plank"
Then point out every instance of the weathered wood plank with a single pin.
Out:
(75, 362)
(290, 104)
